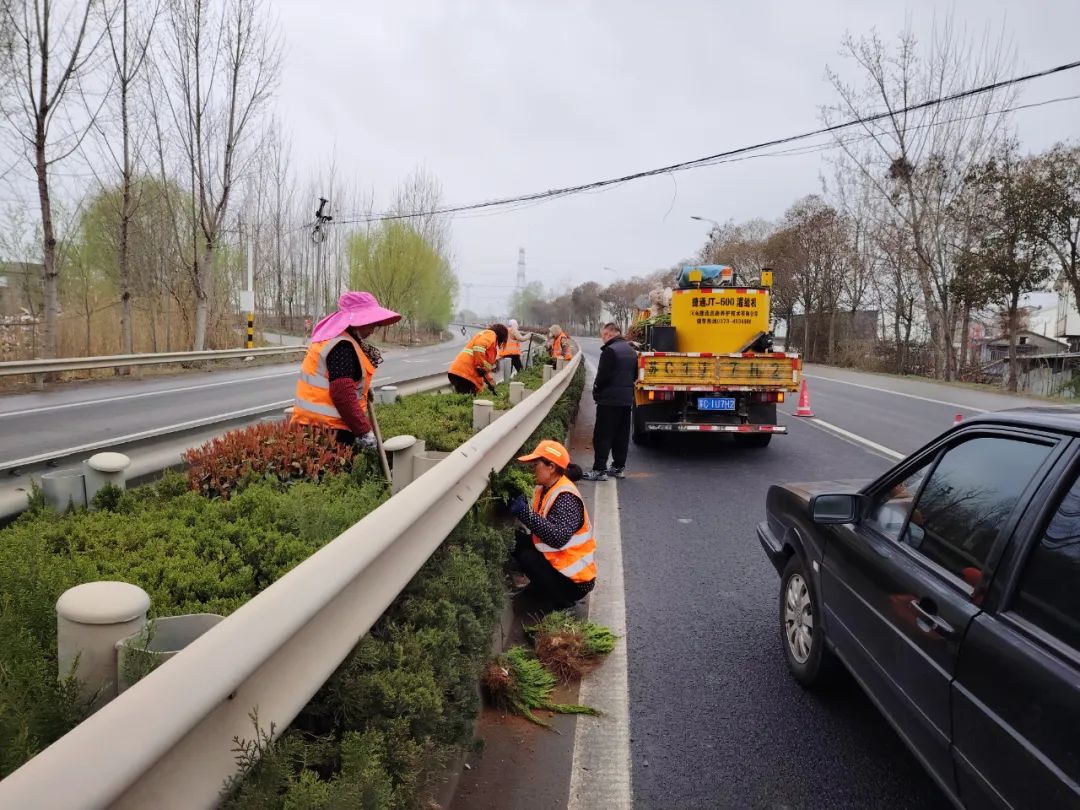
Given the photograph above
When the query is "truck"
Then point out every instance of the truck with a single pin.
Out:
(708, 364)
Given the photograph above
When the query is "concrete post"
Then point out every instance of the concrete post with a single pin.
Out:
(64, 488)
(386, 395)
(90, 619)
(422, 462)
(517, 392)
(288, 414)
(548, 372)
(401, 450)
(104, 469)
(481, 413)
(560, 363)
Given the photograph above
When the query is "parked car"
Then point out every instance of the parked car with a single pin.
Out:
(950, 589)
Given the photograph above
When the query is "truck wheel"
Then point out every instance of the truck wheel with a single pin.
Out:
(639, 434)
(755, 440)
(802, 634)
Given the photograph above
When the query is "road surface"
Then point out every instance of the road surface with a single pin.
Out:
(71, 416)
(715, 720)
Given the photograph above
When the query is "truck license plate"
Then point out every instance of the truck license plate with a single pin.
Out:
(716, 403)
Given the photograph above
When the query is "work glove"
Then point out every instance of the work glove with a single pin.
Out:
(518, 506)
(367, 441)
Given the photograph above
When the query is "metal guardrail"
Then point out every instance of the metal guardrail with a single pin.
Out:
(12, 368)
(431, 382)
(167, 741)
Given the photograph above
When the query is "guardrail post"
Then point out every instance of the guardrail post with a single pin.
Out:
(90, 620)
(386, 395)
(560, 363)
(481, 413)
(517, 392)
(39, 382)
(549, 372)
(402, 450)
(102, 470)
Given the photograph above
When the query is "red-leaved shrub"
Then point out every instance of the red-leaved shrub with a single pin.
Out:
(280, 450)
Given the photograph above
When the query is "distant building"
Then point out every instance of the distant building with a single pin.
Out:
(17, 279)
(1028, 344)
(1068, 318)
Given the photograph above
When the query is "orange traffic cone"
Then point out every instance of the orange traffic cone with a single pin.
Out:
(958, 419)
(804, 401)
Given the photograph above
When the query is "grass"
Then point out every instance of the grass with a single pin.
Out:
(519, 683)
(568, 646)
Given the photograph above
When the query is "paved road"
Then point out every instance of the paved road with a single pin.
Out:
(71, 416)
(715, 719)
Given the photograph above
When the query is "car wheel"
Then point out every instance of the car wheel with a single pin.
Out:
(805, 651)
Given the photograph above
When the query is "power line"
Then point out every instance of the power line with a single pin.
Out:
(526, 199)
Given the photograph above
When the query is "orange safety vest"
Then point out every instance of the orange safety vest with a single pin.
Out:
(477, 360)
(560, 347)
(576, 559)
(313, 405)
(512, 348)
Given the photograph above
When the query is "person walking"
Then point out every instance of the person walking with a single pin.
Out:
(557, 553)
(473, 366)
(613, 392)
(512, 349)
(560, 343)
(337, 371)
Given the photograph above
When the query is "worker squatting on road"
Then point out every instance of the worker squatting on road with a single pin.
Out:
(557, 553)
(473, 366)
(512, 350)
(560, 343)
(335, 377)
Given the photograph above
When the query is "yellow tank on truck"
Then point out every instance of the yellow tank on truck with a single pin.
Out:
(719, 320)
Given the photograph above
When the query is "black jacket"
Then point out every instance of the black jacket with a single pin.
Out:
(615, 376)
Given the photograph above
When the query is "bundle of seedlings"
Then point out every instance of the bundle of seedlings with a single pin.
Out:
(568, 646)
(518, 683)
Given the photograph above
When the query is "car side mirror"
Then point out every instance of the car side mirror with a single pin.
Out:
(836, 509)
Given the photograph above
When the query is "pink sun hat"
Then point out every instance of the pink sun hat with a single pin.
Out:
(354, 309)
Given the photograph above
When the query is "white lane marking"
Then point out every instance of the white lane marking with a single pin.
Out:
(122, 397)
(898, 393)
(600, 773)
(829, 427)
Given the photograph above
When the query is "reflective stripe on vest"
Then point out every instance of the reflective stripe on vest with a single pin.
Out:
(576, 559)
(313, 404)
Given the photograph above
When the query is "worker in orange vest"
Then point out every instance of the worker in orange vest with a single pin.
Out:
(557, 554)
(512, 349)
(335, 377)
(474, 365)
(560, 343)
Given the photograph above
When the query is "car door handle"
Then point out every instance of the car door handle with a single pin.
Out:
(928, 619)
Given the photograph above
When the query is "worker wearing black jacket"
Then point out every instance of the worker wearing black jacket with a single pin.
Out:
(613, 391)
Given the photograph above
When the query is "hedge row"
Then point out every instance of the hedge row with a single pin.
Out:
(395, 709)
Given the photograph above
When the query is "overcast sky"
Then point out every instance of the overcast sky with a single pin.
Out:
(501, 98)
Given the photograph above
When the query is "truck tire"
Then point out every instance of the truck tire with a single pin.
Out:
(802, 634)
(639, 434)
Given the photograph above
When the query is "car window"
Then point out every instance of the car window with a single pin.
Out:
(1049, 592)
(891, 510)
(968, 498)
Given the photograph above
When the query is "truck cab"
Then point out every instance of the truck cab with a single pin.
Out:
(708, 365)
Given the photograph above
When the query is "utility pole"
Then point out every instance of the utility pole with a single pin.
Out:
(318, 236)
(247, 297)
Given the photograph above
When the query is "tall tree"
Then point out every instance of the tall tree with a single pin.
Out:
(50, 46)
(221, 64)
(1056, 179)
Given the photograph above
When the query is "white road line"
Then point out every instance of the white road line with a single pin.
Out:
(600, 774)
(829, 427)
(897, 393)
(163, 392)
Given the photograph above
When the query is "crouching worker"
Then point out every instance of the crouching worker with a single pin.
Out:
(557, 551)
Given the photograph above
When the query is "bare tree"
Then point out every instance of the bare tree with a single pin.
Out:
(221, 65)
(49, 48)
(917, 161)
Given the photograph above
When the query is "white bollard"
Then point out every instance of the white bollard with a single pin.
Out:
(104, 469)
(548, 372)
(517, 392)
(481, 413)
(386, 395)
(560, 363)
(401, 450)
(64, 488)
(90, 619)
